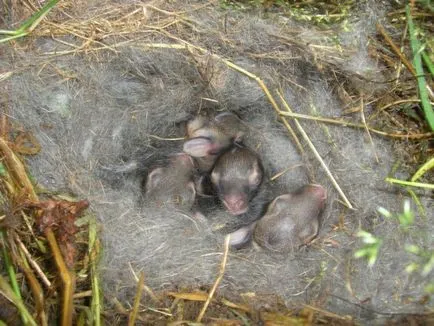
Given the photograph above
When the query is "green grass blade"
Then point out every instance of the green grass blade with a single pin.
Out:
(96, 304)
(29, 24)
(409, 183)
(9, 265)
(7, 292)
(417, 62)
(419, 205)
(12, 37)
(34, 20)
(428, 63)
(11, 272)
(423, 169)
(6, 32)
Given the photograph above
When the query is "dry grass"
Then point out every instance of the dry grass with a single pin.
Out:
(30, 221)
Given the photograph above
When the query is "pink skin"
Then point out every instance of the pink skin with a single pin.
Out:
(201, 147)
(319, 192)
(236, 175)
(184, 159)
(236, 204)
(209, 137)
(241, 237)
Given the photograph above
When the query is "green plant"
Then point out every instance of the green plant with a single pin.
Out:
(425, 260)
(30, 24)
(405, 219)
(370, 249)
(417, 49)
(422, 260)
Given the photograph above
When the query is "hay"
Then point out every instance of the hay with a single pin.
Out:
(107, 95)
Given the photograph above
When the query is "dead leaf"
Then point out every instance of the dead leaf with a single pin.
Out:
(192, 296)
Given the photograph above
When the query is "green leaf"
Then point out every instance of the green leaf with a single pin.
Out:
(423, 169)
(384, 212)
(413, 249)
(412, 267)
(2, 170)
(429, 288)
(417, 61)
(428, 266)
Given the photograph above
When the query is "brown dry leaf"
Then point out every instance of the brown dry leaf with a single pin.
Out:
(60, 215)
(276, 319)
(351, 110)
(236, 305)
(192, 296)
(224, 322)
(26, 143)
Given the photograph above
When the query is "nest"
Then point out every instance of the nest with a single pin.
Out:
(57, 263)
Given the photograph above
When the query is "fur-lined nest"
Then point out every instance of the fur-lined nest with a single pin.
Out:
(52, 251)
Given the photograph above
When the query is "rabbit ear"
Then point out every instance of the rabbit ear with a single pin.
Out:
(279, 204)
(194, 125)
(241, 237)
(231, 125)
(222, 117)
(256, 175)
(203, 146)
(198, 147)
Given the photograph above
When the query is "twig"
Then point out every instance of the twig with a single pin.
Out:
(35, 287)
(328, 313)
(147, 289)
(388, 105)
(84, 294)
(87, 40)
(427, 135)
(32, 262)
(279, 174)
(68, 279)
(167, 139)
(133, 314)
(217, 281)
(317, 155)
(270, 99)
(11, 272)
(372, 311)
(362, 113)
(395, 49)
(27, 220)
(159, 311)
(208, 3)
